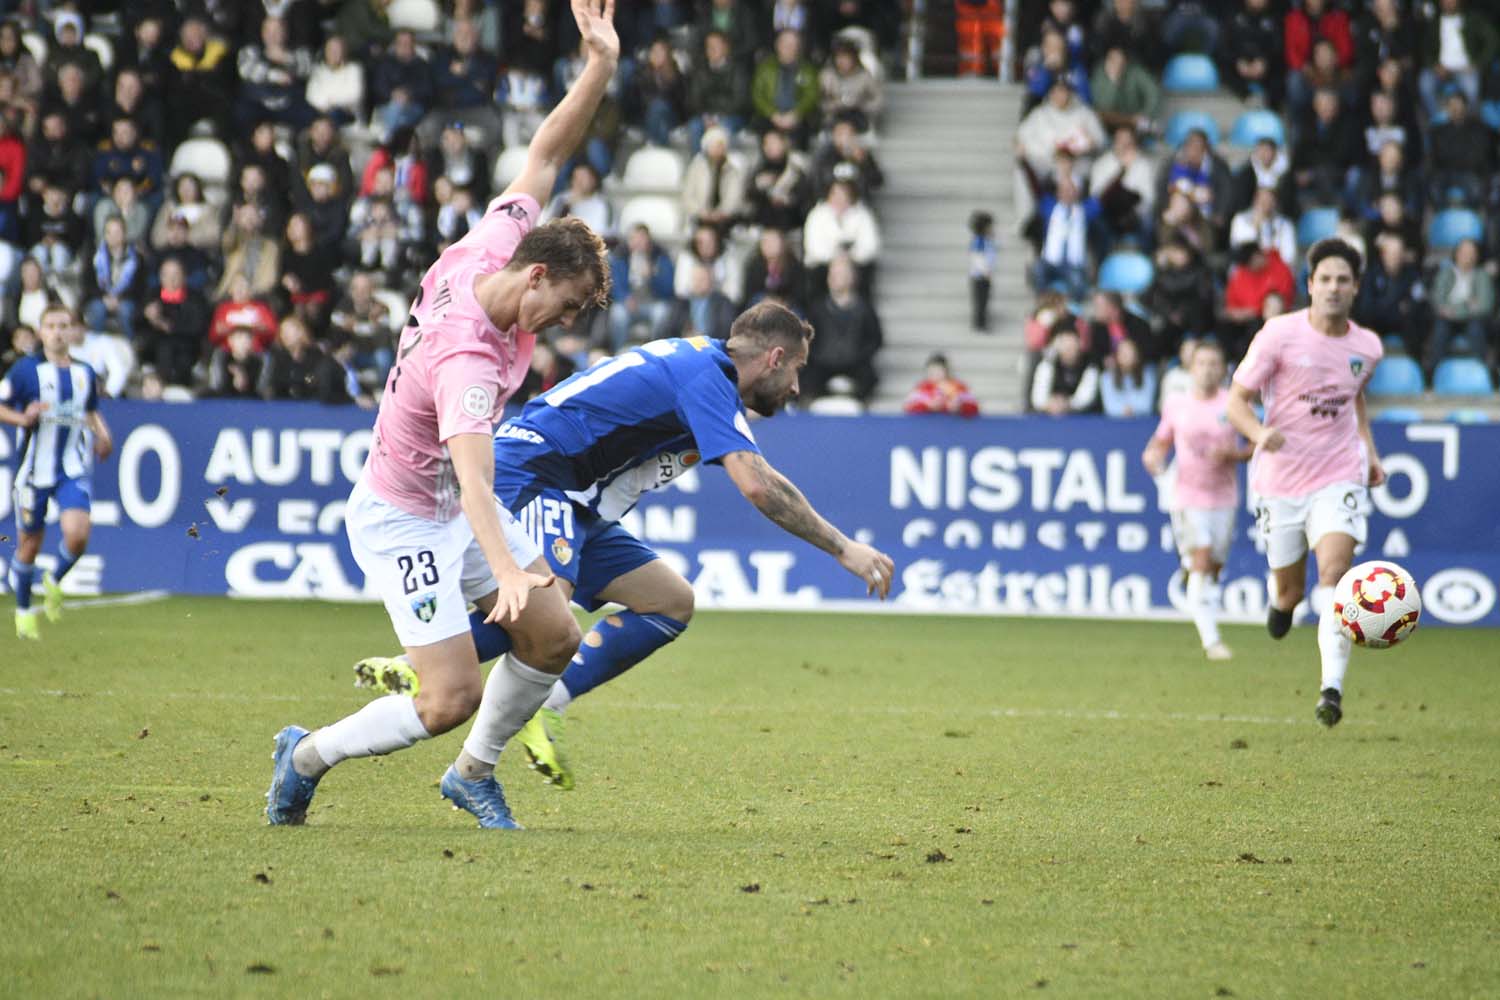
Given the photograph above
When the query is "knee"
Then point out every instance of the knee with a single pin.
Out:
(677, 603)
(553, 650)
(448, 706)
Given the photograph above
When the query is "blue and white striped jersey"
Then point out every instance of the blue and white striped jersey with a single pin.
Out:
(59, 446)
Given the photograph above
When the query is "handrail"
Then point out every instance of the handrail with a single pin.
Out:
(1008, 44)
(916, 39)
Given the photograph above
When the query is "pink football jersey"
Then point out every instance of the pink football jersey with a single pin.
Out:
(454, 370)
(1309, 382)
(1199, 429)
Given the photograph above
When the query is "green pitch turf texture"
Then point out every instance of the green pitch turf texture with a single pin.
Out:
(777, 805)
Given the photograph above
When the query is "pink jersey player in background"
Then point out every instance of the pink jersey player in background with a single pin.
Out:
(1206, 494)
(1315, 458)
(422, 520)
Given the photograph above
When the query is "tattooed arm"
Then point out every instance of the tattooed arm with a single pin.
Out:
(776, 497)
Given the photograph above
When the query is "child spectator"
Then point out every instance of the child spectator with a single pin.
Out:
(940, 392)
(982, 254)
(235, 369)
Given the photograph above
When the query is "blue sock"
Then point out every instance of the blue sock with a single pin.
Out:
(65, 561)
(618, 643)
(490, 640)
(21, 576)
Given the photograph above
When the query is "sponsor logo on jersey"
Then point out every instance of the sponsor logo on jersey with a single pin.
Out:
(509, 430)
(425, 606)
(562, 552)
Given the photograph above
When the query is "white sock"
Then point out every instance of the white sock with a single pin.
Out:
(560, 698)
(1203, 602)
(1331, 642)
(385, 724)
(512, 694)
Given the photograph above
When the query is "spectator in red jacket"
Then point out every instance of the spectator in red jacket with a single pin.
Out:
(1257, 275)
(242, 310)
(12, 181)
(1305, 25)
(940, 392)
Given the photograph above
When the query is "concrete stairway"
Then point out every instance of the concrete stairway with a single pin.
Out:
(947, 148)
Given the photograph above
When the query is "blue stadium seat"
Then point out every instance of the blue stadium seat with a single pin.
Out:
(1489, 111)
(1470, 416)
(1459, 377)
(1399, 376)
(1190, 73)
(1399, 415)
(1183, 122)
(1393, 344)
(1253, 126)
(1317, 224)
(1452, 225)
(1126, 272)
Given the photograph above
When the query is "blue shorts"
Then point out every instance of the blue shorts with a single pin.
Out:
(579, 546)
(31, 501)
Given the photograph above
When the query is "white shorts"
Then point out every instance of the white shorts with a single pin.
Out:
(1204, 528)
(425, 571)
(1292, 525)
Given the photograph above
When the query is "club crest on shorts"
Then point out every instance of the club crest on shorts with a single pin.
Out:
(562, 551)
(424, 606)
(1356, 366)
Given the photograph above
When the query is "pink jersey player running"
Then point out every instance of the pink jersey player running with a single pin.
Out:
(1206, 493)
(1315, 458)
(422, 520)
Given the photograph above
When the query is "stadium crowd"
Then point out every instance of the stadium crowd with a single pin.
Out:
(1374, 120)
(239, 197)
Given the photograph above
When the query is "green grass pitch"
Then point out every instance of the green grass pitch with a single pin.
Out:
(776, 805)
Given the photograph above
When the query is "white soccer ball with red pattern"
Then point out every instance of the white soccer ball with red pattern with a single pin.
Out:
(1378, 604)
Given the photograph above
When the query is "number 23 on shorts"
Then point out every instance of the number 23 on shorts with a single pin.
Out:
(418, 571)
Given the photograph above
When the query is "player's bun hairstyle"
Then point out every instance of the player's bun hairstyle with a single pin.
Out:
(570, 249)
(1332, 247)
(766, 325)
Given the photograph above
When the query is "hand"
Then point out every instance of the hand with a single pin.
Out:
(514, 588)
(1377, 471)
(596, 25)
(104, 445)
(873, 567)
(1152, 460)
(33, 413)
(1271, 439)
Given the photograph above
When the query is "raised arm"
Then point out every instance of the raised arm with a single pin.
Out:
(775, 496)
(563, 129)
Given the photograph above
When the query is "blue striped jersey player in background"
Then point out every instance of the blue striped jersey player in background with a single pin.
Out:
(579, 456)
(53, 401)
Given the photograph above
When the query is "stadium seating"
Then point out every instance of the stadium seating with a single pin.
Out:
(1489, 112)
(101, 47)
(36, 44)
(508, 166)
(1453, 225)
(207, 158)
(1399, 376)
(1399, 415)
(1460, 377)
(1470, 416)
(653, 170)
(1253, 126)
(1126, 272)
(1190, 73)
(661, 215)
(417, 15)
(1183, 122)
(1316, 224)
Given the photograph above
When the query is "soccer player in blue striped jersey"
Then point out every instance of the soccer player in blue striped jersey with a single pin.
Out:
(53, 401)
(579, 456)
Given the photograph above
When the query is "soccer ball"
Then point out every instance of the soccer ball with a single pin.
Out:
(1378, 604)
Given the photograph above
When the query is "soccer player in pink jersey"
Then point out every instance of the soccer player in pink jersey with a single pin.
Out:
(1315, 459)
(423, 522)
(1196, 424)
